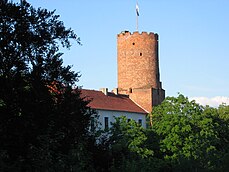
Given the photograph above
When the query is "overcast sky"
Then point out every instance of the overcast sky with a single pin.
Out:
(193, 41)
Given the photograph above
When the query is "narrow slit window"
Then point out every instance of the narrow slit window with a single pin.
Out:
(140, 54)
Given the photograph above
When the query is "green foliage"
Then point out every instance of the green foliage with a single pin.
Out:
(223, 130)
(184, 137)
(124, 148)
(223, 111)
(189, 134)
(130, 136)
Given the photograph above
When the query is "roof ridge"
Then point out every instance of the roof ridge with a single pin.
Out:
(111, 101)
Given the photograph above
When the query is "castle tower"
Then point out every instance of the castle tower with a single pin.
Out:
(138, 68)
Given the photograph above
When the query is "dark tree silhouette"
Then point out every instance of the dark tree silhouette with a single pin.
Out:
(43, 122)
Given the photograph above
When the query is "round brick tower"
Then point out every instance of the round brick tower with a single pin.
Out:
(138, 60)
(138, 68)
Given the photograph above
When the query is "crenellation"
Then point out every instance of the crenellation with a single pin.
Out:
(127, 33)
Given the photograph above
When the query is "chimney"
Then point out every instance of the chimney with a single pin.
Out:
(104, 90)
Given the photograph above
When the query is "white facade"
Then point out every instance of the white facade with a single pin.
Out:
(110, 105)
(106, 117)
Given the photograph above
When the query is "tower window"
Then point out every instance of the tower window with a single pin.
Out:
(140, 54)
(133, 43)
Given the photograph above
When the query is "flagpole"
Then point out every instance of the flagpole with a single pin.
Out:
(137, 22)
(137, 14)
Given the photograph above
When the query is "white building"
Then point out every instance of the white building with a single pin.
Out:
(110, 105)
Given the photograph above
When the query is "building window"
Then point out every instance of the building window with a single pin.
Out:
(133, 43)
(92, 123)
(140, 122)
(106, 124)
(140, 54)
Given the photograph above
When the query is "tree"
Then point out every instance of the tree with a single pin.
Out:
(129, 136)
(43, 121)
(190, 134)
(223, 130)
(122, 148)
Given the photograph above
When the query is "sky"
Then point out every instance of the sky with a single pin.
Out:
(193, 42)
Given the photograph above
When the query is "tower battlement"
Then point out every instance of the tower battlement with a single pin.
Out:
(146, 34)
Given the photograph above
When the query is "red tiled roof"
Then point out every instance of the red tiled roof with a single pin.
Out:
(110, 101)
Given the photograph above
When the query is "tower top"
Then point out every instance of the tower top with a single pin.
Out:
(127, 33)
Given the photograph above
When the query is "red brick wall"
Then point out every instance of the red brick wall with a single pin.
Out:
(143, 97)
(138, 68)
(138, 60)
(146, 97)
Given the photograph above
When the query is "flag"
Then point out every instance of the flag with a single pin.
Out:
(137, 9)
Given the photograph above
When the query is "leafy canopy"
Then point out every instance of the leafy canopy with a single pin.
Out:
(190, 134)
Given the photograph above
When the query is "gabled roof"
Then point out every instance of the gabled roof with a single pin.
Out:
(110, 101)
